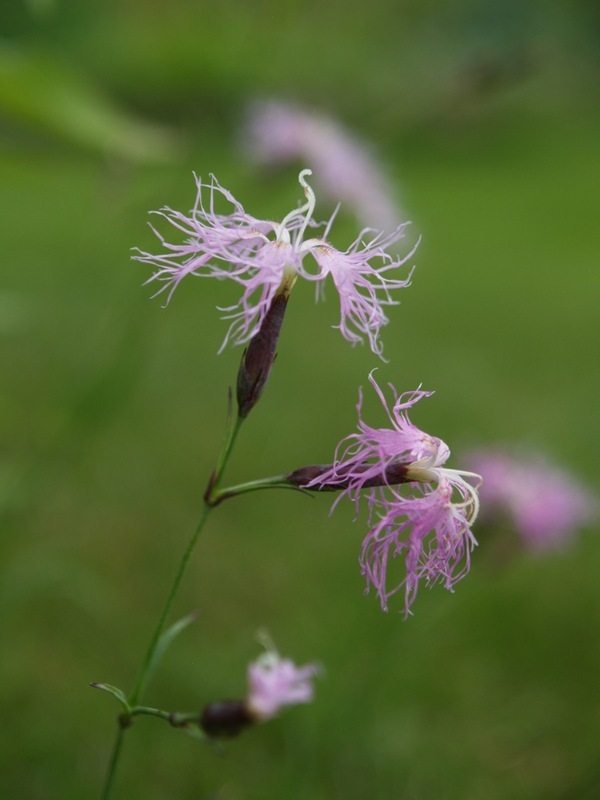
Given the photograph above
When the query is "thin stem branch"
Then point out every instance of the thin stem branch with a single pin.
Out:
(151, 712)
(274, 482)
(144, 673)
(146, 669)
(233, 428)
(112, 767)
(177, 719)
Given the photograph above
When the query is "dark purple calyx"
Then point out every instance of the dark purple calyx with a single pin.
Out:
(225, 719)
(393, 474)
(259, 356)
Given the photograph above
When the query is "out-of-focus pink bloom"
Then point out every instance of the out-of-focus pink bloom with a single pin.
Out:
(265, 258)
(545, 503)
(275, 682)
(345, 170)
(427, 522)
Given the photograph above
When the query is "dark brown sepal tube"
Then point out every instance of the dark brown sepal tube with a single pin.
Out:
(394, 474)
(225, 719)
(259, 356)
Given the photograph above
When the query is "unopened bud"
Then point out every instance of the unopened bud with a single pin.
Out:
(225, 719)
(259, 356)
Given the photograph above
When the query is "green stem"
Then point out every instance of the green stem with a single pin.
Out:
(145, 670)
(233, 428)
(148, 663)
(275, 482)
(112, 767)
(178, 720)
(175, 718)
(151, 712)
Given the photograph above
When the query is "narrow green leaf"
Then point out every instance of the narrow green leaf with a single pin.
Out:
(167, 638)
(106, 687)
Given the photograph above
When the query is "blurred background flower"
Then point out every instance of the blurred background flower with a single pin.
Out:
(544, 504)
(278, 133)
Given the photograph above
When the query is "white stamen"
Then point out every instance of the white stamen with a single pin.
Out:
(308, 207)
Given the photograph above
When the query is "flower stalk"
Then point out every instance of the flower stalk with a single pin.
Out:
(151, 656)
(149, 662)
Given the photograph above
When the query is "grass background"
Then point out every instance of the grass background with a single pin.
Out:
(112, 409)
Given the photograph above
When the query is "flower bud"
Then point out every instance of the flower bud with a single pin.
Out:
(259, 356)
(225, 719)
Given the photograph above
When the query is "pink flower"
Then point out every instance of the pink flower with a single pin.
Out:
(276, 682)
(273, 683)
(427, 522)
(265, 258)
(345, 169)
(545, 503)
(430, 530)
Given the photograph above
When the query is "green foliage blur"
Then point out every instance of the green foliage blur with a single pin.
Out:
(112, 408)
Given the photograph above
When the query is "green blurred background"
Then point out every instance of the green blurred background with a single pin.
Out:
(112, 409)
